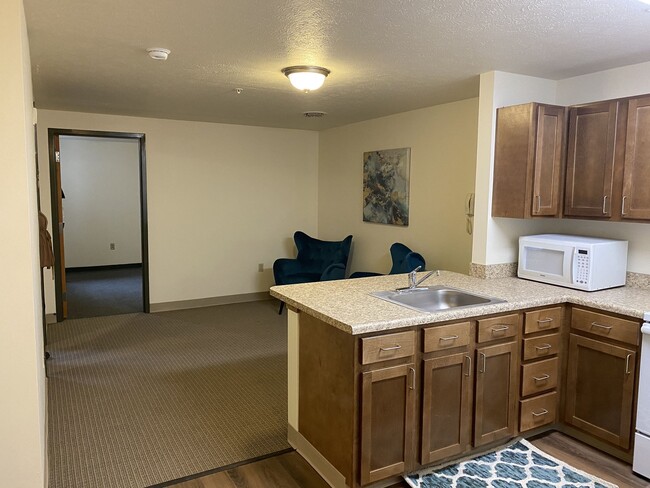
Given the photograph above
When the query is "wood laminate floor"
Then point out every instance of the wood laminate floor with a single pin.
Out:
(290, 470)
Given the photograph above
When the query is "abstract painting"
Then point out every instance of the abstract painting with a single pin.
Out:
(386, 186)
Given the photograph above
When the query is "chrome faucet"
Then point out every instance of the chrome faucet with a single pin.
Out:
(414, 282)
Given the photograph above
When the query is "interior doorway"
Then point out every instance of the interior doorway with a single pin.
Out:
(99, 217)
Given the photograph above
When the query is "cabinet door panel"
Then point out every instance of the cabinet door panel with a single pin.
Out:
(636, 173)
(388, 397)
(446, 407)
(496, 393)
(548, 160)
(600, 389)
(590, 160)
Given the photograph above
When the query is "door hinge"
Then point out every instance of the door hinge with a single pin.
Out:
(57, 156)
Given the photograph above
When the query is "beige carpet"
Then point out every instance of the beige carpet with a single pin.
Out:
(140, 399)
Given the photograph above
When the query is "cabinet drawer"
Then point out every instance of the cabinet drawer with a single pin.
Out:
(446, 336)
(386, 347)
(538, 377)
(540, 320)
(606, 326)
(498, 327)
(541, 347)
(538, 411)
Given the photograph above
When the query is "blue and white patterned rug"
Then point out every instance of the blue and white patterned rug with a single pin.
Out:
(519, 465)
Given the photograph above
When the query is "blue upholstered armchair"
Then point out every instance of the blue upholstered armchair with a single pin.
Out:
(404, 261)
(316, 261)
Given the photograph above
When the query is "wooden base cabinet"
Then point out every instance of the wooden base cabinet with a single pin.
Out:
(446, 406)
(496, 393)
(600, 389)
(388, 401)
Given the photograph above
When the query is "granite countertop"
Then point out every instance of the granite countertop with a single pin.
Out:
(348, 305)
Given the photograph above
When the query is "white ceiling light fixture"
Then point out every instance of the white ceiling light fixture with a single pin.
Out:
(306, 78)
(158, 53)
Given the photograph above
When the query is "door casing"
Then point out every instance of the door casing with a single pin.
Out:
(53, 133)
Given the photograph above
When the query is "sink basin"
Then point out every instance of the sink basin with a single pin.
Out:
(434, 298)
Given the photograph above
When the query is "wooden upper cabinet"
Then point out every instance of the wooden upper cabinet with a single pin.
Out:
(635, 202)
(528, 161)
(590, 160)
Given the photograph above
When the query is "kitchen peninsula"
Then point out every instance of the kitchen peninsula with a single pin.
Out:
(377, 389)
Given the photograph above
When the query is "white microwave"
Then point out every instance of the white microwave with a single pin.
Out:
(584, 263)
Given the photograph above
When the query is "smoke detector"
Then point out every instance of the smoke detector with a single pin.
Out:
(314, 114)
(158, 53)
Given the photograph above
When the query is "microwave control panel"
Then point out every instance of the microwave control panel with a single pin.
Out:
(581, 266)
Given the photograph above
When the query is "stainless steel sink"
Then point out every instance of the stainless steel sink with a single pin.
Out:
(434, 298)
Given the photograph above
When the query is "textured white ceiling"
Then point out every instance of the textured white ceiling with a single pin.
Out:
(386, 56)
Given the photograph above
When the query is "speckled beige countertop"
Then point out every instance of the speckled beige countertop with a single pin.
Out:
(348, 305)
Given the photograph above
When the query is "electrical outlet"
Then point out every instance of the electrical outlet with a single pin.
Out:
(260, 267)
(112, 246)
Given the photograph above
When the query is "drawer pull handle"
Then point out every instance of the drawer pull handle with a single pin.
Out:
(539, 414)
(450, 338)
(391, 348)
(544, 377)
(482, 369)
(627, 364)
(543, 322)
(543, 347)
(469, 366)
(500, 328)
(412, 385)
(601, 326)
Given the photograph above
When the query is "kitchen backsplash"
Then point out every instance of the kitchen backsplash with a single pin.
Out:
(508, 270)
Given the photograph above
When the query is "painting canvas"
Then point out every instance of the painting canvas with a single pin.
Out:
(386, 186)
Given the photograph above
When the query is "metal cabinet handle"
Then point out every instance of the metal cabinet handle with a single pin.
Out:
(623, 205)
(539, 202)
(606, 327)
(500, 328)
(412, 385)
(539, 414)
(627, 364)
(482, 369)
(544, 321)
(544, 377)
(450, 338)
(469, 366)
(543, 347)
(391, 348)
(605, 204)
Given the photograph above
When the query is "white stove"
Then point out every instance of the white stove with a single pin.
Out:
(641, 464)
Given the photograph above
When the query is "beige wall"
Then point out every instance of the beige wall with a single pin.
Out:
(22, 403)
(100, 177)
(221, 199)
(496, 239)
(443, 156)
